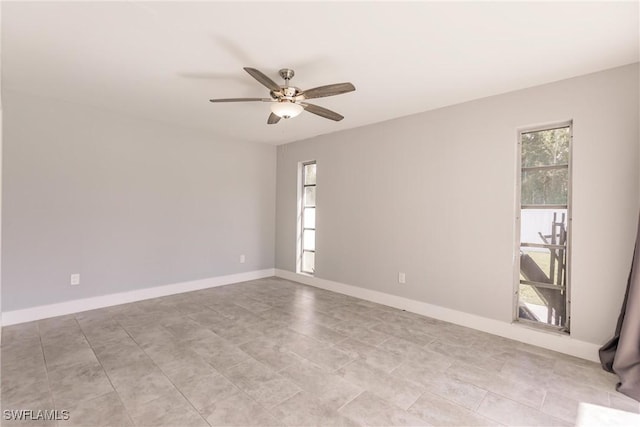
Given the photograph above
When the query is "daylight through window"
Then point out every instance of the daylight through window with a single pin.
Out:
(308, 218)
(544, 223)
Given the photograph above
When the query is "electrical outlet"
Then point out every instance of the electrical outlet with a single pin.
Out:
(242, 259)
(402, 278)
(75, 279)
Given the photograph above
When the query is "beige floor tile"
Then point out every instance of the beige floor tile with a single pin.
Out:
(317, 316)
(162, 352)
(207, 317)
(235, 313)
(362, 334)
(252, 305)
(463, 393)
(519, 357)
(277, 314)
(591, 375)
(29, 422)
(146, 334)
(327, 387)
(137, 391)
(261, 383)
(239, 410)
(77, 383)
(270, 352)
(132, 371)
(57, 325)
(466, 355)
(416, 336)
(624, 403)
(304, 410)
(65, 356)
(438, 411)
(104, 410)
(319, 353)
(186, 329)
(275, 352)
(561, 407)
(20, 333)
(343, 314)
(106, 332)
(532, 374)
(421, 371)
(270, 327)
(31, 369)
(407, 349)
(120, 349)
(378, 358)
(218, 352)
(235, 333)
(395, 390)
(368, 409)
(579, 391)
(167, 411)
(514, 388)
(18, 351)
(34, 396)
(201, 391)
(185, 365)
(316, 331)
(512, 413)
(491, 345)
(21, 395)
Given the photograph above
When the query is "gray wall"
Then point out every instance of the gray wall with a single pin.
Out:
(433, 195)
(125, 202)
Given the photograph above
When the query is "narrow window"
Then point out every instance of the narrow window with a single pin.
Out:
(307, 252)
(544, 223)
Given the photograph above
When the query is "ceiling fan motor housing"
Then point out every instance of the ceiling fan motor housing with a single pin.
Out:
(286, 73)
(286, 93)
(290, 91)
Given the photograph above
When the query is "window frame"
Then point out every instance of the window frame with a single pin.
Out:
(301, 217)
(566, 329)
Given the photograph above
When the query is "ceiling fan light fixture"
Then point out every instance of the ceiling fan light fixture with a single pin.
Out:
(286, 109)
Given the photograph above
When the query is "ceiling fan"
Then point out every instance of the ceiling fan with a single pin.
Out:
(289, 101)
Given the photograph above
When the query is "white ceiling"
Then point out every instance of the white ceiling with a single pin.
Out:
(164, 60)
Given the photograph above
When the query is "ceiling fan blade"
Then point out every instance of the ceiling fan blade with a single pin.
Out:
(329, 90)
(322, 112)
(241, 100)
(263, 79)
(273, 119)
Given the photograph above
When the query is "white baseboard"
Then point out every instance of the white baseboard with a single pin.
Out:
(84, 304)
(549, 340)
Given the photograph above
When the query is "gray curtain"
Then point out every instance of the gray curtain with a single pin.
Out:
(621, 355)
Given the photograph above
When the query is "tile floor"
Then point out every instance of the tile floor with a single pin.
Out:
(274, 352)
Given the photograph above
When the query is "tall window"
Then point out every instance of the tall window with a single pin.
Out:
(544, 222)
(307, 252)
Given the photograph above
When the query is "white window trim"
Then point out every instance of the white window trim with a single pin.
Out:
(300, 215)
(566, 330)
